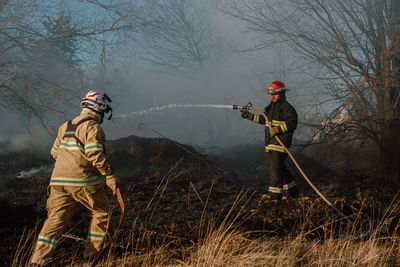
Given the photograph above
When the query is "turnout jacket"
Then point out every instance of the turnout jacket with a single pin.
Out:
(80, 160)
(282, 115)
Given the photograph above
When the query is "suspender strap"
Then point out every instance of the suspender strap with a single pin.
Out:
(71, 128)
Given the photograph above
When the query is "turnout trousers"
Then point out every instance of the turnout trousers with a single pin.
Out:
(281, 182)
(61, 206)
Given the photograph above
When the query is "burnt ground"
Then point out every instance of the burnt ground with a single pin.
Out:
(174, 194)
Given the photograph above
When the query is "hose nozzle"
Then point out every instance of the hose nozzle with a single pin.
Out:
(238, 107)
(246, 107)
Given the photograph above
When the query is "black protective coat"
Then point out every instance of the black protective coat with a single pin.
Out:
(280, 110)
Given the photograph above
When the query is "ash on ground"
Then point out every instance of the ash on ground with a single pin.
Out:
(175, 194)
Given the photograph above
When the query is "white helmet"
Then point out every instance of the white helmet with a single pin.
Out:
(97, 102)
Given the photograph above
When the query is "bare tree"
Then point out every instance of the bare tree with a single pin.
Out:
(356, 44)
(182, 36)
(44, 55)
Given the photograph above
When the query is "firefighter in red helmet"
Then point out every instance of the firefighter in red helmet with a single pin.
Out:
(283, 119)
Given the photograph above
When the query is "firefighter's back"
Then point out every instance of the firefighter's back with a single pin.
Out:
(72, 166)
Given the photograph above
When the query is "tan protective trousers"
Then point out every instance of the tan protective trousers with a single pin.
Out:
(61, 205)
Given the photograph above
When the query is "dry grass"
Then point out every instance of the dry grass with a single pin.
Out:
(227, 244)
(224, 247)
(234, 250)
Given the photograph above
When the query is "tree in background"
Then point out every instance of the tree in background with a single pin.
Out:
(52, 63)
(44, 52)
(182, 36)
(355, 44)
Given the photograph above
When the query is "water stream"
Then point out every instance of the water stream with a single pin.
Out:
(160, 108)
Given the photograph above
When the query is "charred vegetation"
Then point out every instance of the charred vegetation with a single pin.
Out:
(175, 195)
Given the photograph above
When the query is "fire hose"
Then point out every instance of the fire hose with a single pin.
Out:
(122, 206)
(249, 106)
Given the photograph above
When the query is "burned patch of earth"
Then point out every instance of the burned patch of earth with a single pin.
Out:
(174, 196)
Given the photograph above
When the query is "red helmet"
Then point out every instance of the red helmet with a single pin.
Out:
(275, 87)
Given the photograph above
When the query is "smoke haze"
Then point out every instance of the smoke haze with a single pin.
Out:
(132, 83)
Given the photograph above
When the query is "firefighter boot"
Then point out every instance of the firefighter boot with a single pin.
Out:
(290, 191)
(266, 198)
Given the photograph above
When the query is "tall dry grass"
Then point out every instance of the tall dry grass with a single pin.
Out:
(362, 243)
(355, 244)
(226, 245)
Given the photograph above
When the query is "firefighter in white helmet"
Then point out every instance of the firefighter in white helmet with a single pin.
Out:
(76, 179)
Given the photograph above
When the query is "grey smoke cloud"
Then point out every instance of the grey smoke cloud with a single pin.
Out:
(235, 78)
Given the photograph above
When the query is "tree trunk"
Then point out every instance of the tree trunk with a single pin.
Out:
(390, 150)
(390, 146)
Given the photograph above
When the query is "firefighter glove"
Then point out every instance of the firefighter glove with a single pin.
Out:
(245, 114)
(111, 182)
(273, 131)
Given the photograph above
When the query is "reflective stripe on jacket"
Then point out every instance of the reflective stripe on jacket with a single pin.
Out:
(78, 165)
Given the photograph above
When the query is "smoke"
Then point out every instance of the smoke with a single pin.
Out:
(232, 78)
(42, 170)
(157, 101)
(18, 134)
(218, 83)
(14, 141)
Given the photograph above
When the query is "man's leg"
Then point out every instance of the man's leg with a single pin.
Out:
(275, 186)
(289, 185)
(60, 208)
(96, 201)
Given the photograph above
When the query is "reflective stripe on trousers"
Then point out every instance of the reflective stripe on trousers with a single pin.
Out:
(280, 179)
(289, 185)
(46, 241)
(61, 206)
